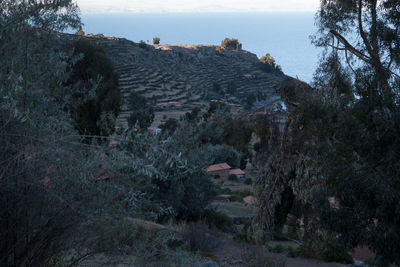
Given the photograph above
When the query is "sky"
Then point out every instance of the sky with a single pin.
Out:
(165, 6)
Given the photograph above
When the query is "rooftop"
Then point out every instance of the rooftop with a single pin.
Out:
(218, 167)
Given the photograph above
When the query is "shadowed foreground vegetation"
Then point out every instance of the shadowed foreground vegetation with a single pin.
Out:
(73, 192)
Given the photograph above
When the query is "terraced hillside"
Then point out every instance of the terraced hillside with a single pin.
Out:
(191, 75)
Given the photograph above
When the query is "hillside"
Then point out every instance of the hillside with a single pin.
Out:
(191, 75)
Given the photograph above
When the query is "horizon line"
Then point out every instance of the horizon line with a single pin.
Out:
(103, 12)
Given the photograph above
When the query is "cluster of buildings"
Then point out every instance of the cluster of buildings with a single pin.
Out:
(223, 170)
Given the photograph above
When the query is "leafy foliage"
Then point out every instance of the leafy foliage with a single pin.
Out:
(56, 189)
(96, 71)
(231, 43)
(338, 149)
(156, 40)
(268, 64)
(142, 114)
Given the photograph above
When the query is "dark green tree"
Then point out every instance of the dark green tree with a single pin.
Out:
(339, 148)
(94, 72)
(170, 125)
(156, 40)
(268, 64)
(142, 114)
(231, 43)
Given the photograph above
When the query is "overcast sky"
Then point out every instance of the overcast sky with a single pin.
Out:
(160, 6)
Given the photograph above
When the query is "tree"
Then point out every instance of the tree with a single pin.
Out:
(156, 40)
(268, 64)
(170, 125)
(338, 148)
(142, 115)
(33, 202)
(363, 87)
(250, 99)
(94, 71)
(231, 43)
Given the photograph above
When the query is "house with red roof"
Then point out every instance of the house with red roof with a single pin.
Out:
(224, 170)
(221, 169)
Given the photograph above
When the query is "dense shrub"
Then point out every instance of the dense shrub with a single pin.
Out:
(233, 177)
(250, 99)
(142, 44)
(174, 185)
(268, 64)
(248, 181)
(198, 238)
(218, 219)
(156, 40)
(235, 198)
(107, 97)
(142, 114)
(231, 43)
(170, 125)
(334, 252)
(217, 88)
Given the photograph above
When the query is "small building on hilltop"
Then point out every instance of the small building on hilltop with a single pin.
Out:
(221, 169)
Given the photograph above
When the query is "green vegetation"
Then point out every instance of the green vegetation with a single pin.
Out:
(231, 43)
(93, 74)
(156, 40)
(337, 150)
(219, 50)
(142, 114)
(170, 125)
(218, 219)
(80, 32)
(268, 64)
(250, 99)
(233, 178)
(248, 181)
(327, 170)
(142, 44)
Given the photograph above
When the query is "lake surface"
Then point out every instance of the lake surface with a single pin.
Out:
(284, 35)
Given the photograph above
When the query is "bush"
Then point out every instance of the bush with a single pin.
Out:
(170, 125)
(243, 193)
(231, 43)
(250, 99)
(225, 191)
(142, 113)
(248, 181)
(217, 88)
(217, 176)
(268, 64)
(156, 40)
(333, 252)
(235, 198)
(142, 44)
(218, 219)
(233, 177)
(107, 97)
(197, 238)
(80, 32)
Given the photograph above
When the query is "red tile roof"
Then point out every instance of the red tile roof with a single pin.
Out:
(218, 167)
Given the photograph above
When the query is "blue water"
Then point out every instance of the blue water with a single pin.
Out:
(284, 35)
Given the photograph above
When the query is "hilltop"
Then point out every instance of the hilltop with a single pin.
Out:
(176, 78)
